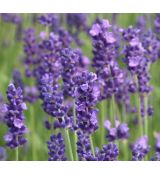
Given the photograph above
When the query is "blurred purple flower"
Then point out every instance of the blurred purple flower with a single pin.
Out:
(140, 148)
(3, 154)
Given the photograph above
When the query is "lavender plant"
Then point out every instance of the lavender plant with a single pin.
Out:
(91, 88)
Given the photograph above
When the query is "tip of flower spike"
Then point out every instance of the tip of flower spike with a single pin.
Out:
(105, 23)
(107, 124)
(95, 30)
(99, 26)
(11, 86)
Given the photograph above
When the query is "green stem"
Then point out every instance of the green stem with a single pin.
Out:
(92, 145)
(140, 122)
(68, 143)
(17, 156)
(75, 134)
(146, 116)
(102, 119)
(33, 132)
(113, 112)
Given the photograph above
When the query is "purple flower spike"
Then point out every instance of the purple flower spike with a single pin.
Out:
(50, 19)
(156, 157)
(112, 134)
(109, 152)
(140, 148)
(56, 148)
(95, 30)
(123, 131)
(120, 131)
(11, 17)
(151, 44)
(70, 62)
(110, 76)
(85, 101)
(157, 23)
(14, 117)
(76, 23)
(84, 147)
(17, 79)
(31, 50)
(141, 23)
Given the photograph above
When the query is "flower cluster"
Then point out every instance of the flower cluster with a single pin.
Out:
(156, 157)
(109, 152)
(86, 96)
(92, 102)
(70, 62)
(76, 22)
(11, 18)
(140, 148)
(110, 76)
(151, 46)
(2, 109)
(73, 61)
(56, 148)
(14, 117)
(157, 23)
(136, 60)
(52, 98)
(30, 93)
(50, 19)
(84, 147)
(121, 131)
(31, 50)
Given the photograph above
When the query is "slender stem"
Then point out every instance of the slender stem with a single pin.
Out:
(51, 120)
(140, 122)
(47, 31)
(75, 134)
(68, 142)
(33, 132)
(146, 116)
(17, 156)
(92, 145)
(102, 119)
(113, 112)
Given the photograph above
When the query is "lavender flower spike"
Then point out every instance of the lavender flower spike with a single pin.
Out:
(86, 96)
(56, 148)
(156, 157)
(14, 117)
(109, 152)
(140, 149)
